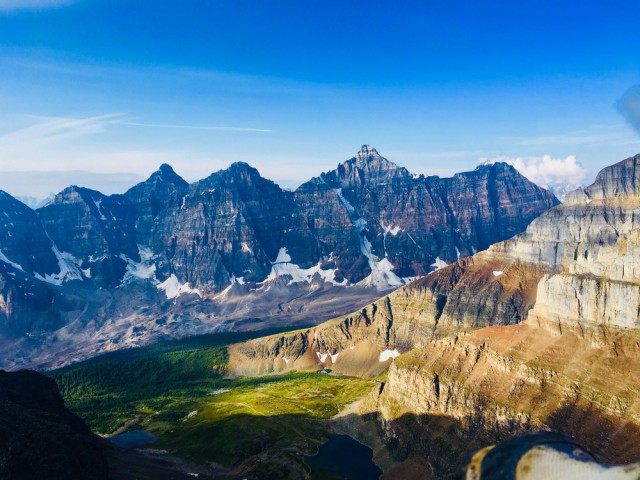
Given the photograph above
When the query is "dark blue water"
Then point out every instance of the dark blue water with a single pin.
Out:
(133, 439)
(342, 457)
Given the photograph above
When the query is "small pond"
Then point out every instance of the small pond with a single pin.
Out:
(342, 457)
(133, 439)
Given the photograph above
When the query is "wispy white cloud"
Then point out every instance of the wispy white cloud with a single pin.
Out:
(38, 130)
(560, 175)
(31, 140)
(197, 127)
(48, 129)
(14, 5)
(629, 107)
(51, 62)
(40, 154)
(611, 135)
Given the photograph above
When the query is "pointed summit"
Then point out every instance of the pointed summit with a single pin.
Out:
(367, 151)
(165, 169)
(368, 167)
(167, 174)
(160, 183)
(241, 167)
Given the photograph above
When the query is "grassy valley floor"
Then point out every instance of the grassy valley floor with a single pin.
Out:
(261, 427)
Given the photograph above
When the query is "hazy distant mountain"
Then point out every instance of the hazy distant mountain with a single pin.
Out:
(35, 203)
(235, 251)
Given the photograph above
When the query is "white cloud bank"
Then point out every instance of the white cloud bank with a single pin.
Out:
(13, 5)
(556, 174)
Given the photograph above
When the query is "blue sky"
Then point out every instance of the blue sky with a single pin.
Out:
(101, 92)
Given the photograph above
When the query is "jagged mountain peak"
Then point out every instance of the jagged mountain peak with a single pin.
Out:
(368, 157)
(243, 173)
(618, 183)
(367, 167)
(74, 193)
(367, 151)
(166, 173)
(237, 175)
(499, 165)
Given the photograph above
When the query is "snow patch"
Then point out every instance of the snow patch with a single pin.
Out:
(389, 229)
(344, 201)
(387, 354)
(97, 204)
(13, 264)
(382, 276)
(497, 273)
(439, 263)
(173, 288)
(283, 266)
(234, 280)
(283, 256)
(143, 270)
(322, 356)
(69, 269)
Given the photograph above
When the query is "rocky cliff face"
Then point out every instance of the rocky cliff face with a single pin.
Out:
(469, 294)
(234, 250)
(415, 223)
(456, 395)
(558, 308)
(571, 366)
(575, 265)
(29, 264)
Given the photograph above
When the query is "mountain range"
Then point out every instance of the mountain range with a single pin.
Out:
(538, 332)
(88, 272)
